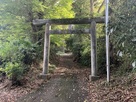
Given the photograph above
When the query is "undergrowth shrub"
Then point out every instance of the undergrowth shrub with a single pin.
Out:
(82, 50)
(122, 25)
(101, 55)
(53, 53)
(125, 66)
(14, 72)
(17, 58)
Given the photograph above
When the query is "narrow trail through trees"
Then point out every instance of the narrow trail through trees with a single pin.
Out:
(68, 84)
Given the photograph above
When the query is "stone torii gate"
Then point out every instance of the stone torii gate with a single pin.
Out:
(91, 30)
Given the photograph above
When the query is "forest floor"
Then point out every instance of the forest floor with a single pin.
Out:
(70, 83)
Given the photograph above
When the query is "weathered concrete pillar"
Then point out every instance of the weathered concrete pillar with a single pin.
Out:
(93, 75)
(46, 49)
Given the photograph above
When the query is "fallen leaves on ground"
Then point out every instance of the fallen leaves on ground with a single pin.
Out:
(120, 89)
(31, 82)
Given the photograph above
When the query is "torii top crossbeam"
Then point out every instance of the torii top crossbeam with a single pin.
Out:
(66, 21)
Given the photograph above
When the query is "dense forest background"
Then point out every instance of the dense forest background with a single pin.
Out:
(21, 43)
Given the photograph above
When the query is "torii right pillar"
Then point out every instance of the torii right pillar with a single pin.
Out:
(94, 70)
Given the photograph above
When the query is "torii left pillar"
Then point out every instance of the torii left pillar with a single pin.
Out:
(94, 70)
(46, 50)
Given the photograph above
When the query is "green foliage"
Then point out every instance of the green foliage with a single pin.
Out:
(101, 55)
(80, 44)
(81, 8)
(1, 70)
(16, 58)
(76, 42)
(18, 50)
(123, 24)
(15, 45)
(52, 68)
(59, 9)
(28, 52)
(14, 71)
(126, 66)
(21, 43)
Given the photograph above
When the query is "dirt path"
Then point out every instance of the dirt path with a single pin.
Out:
(68, 84)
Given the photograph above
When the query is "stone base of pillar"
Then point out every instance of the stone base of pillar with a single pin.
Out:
(44, 76)
(93, 78)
